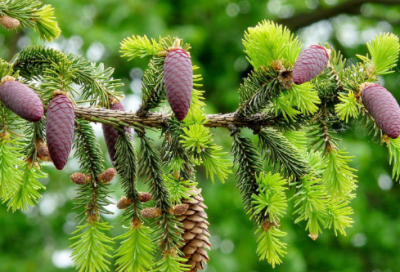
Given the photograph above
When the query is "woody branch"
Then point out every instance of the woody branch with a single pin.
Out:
(227, 120)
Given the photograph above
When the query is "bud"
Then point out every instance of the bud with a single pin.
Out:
(42, 151)
(179, 209)
(107, 176)
(144, 197)
(80, 178)
(123, 203)
(9, 22)
(151, 212)
(313, 236)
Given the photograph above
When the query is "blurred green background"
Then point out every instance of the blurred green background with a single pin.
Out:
(37, 240)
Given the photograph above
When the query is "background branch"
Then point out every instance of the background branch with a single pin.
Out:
(349, 7)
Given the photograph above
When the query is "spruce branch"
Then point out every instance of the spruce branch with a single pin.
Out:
(137, 46)
(280, 154)
(268, 42)
(269, 246)
(126, 164)
(311, 203)
(249, 163)
(136, 251)
(33, 14)
(338, 177)
(10, 176)
(161, 120)
(96, 81)
(257, 90)
(26, 194)
(150, 166)
(384, 50)
(88, 150)
(174, 154)
(91, 248)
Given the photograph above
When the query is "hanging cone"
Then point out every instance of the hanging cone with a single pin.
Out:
(111, 134)
(195, 232)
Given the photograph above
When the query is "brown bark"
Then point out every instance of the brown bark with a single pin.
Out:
(227, 120)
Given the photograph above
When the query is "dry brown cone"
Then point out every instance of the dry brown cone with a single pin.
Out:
(195, 233)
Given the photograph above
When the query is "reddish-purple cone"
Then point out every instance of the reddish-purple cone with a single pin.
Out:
(60, 129)
(384, 108)
(22, 100)
(111, 134)
(310, 64)
(178, 79)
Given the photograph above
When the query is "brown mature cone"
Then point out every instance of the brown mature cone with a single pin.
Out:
(195, 232)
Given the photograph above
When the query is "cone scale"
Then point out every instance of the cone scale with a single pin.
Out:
(310, 64)
(60, 129)
(21, 100)
(384, 108)
(178, 79)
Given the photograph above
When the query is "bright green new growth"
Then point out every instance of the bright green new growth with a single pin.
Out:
(269, 246)
(384, 51)
(268, 42)
(339, 178)
(26, 194)
(304, 96)
(179, 189)
(33, 14)
(271, 199)
(137, 46)
(394, 161)
(10, 178)
(92, 247)
(170, 263)
(311, 202)
(349, 106)
(136, 251)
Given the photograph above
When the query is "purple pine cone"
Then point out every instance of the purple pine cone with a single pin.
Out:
(60, 129)
(22, 100)
(310, 64)
(178, 79)
(384, 108)
(111, 134)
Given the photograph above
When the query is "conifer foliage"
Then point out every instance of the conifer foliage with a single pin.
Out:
(298, 147)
